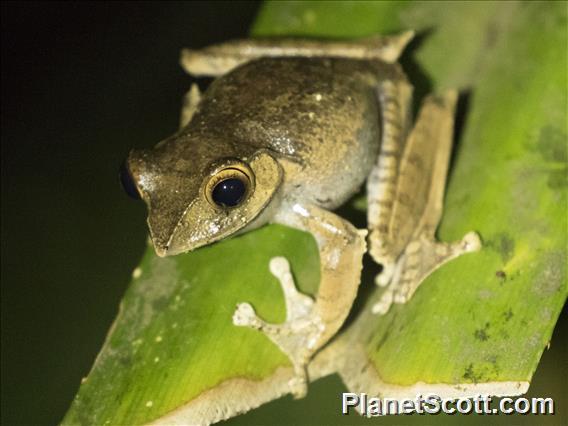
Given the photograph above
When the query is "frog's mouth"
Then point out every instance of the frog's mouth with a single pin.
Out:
(201, 224)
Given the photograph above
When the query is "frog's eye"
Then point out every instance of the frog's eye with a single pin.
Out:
(127, 182)
(228, 188)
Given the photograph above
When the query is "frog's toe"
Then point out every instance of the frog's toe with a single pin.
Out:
(400, 298)
(471, 242)
(245, 316)
(298, 305)
(421, 257)
(299, 385)
(384, 304)
(279, 266)
(385, 276)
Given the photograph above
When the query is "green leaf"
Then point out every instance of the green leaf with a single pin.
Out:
(483, 318)
(174, 339)
(493, 311)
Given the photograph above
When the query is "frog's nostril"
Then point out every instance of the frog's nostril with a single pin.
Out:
(127, 182)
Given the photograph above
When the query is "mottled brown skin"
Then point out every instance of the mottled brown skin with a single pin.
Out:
(321, 114)
(307, 131)
(318, 117)
(307, 123)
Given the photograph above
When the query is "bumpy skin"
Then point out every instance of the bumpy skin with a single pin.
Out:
(319, 117)
(309, 129)
(307, 122)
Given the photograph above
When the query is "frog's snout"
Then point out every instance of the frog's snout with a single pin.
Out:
(166, 250)
(161, 251)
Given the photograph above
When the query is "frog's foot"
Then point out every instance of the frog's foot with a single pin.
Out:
(298, 336)
(421, 257)
(221, 58)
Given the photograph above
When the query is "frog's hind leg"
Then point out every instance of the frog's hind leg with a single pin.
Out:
(422, 256)
(221, 58)
(387, 240)
(418, 201)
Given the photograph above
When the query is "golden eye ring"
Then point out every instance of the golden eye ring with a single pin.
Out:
(229, 187)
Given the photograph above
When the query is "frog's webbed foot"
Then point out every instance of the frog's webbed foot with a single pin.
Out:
(298, 335)
(406, 194)
(421, 257)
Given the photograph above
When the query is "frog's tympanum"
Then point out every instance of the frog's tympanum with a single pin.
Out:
(288, 131)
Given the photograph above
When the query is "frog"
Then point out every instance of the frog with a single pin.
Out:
(286, 133)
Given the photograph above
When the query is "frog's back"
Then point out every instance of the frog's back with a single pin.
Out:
(319, 115)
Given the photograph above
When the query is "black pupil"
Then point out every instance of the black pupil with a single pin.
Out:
(127, 182)
(229, 192)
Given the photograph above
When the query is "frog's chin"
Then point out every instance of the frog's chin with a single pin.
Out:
(179, 245)
(205, 231)
(165, 251)
(186, 238)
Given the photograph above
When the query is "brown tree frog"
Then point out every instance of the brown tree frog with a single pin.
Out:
(288, 131)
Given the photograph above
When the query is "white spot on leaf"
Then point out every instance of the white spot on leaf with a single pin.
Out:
(137, 273)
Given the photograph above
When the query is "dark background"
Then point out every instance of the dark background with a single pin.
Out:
(82, 83)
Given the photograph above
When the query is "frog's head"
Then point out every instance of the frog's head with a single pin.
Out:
(195, 197)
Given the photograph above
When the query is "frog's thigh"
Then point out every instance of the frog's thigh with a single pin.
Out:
(425, 162)
(395, 98)
(221, 58)
(190, 101)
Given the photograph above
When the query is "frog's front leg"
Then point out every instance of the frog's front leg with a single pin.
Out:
(221, 58)
(189, 106)
(297, 336)
(309, 325)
